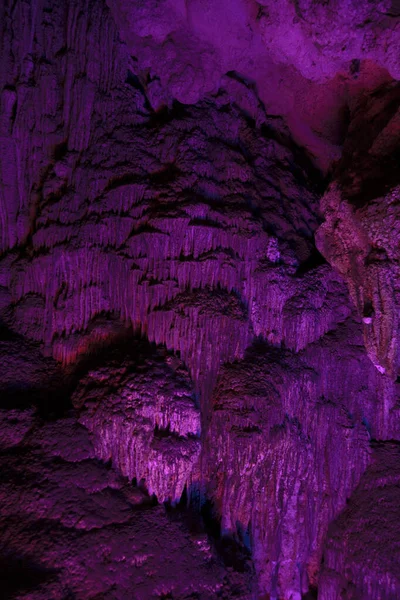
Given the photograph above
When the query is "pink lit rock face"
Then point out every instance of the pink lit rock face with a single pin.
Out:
(360, 235)
(364, 563)
(71, 527)
(157, 211)
(304, 57)
(143, 418)
(166, 176)
(288, 441)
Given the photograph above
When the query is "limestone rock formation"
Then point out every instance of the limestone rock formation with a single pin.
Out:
(71, 527)
(304, 57)
(288, 442)
(360, 235)
(148, 215)
(143, 418)
(364, 562)
(199, 298)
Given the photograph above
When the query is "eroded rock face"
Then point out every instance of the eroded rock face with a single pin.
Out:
(360, 234)
(151, 188)
(213, 38)
(363, 562)
(71, 527)
(304, 57)
(145, 215)
(143, 418)
(289, 439)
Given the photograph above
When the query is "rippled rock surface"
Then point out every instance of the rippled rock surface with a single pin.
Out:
(72, 527)
(143, 418)
(199, 298)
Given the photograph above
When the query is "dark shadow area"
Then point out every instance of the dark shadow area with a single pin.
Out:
(301, 166)
(21, 574)
(165, 115)
(231, 549)
(130, 345)
(51, 404)
(166, 175)
(29, 379)
(200, 517)
(314, 261)
(6, 335)
(60, 151)
(367, 170)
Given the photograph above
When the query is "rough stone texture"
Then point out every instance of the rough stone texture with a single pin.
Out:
(287, 444)
(72, 528)
(238, 34)
(362, 550)
(305, 57)
(152, 187)
(151, 206)
(361, 230)
(143, 417)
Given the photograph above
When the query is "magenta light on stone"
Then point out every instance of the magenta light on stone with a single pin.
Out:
(199, 300)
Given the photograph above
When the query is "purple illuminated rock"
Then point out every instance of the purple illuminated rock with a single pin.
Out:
(71, 527)
(151, 186)
(362, 550)
(149, 210)
(303, 57)
(143, 418)
(288, 441)
(360, 235)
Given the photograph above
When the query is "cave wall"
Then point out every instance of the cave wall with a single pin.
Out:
(219, 182)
